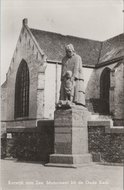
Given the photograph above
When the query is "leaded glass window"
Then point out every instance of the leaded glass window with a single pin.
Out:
(22, 91)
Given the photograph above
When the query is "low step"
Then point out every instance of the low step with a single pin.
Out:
(101, 122)
(100, 117)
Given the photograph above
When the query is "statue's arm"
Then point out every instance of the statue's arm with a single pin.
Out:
(78, 62)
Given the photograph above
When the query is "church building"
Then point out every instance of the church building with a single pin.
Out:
(32, 85)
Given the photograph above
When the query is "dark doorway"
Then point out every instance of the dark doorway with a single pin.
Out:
(104, 91)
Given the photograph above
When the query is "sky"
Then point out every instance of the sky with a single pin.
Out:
(92, 19)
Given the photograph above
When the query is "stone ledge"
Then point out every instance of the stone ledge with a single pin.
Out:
(45, 123)
(36, 128)
(22, 124)
(20, 119)
(116, 129)
(108, 124)
(21, 129)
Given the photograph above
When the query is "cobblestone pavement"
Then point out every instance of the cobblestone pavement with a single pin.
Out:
(36, 176)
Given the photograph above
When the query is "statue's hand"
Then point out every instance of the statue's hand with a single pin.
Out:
(72, 78)
(75, 78)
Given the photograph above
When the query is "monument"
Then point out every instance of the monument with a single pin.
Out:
(71, 115)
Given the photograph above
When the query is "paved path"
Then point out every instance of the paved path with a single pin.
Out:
(23, 176)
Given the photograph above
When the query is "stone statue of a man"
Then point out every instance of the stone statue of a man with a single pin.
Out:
(72, 82)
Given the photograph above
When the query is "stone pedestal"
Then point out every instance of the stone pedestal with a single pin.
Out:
(71, 138)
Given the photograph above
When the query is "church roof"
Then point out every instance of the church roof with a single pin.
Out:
(92, 52)
(53, 45)
(112, 48)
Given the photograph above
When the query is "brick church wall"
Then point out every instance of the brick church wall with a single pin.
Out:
(52, 88)
(26, 50)
(116, 93)
(3, 101)
(119, 95)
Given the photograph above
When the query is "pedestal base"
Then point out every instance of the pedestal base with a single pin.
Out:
(71, 138)
(67, 160)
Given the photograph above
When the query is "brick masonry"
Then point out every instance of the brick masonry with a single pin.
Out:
(31, 144)
(107, 147)
(38, 143)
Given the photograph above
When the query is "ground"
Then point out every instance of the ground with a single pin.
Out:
(24, 175)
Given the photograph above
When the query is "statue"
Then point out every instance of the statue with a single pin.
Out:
(68, 86)
(72, 90)
(71, 116)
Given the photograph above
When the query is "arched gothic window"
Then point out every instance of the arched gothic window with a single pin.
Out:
(22, 91)
(105, 90)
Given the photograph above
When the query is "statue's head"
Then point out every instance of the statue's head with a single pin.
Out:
(69, 50)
